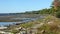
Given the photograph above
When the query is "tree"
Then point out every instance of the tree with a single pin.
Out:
(56, 4)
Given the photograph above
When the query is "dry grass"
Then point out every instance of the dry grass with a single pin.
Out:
(51, 26)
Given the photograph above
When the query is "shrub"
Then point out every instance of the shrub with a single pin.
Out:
(58, 14)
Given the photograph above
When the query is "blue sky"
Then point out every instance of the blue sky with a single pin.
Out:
(13, 6)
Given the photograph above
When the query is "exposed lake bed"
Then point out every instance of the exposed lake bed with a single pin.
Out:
(17, 19)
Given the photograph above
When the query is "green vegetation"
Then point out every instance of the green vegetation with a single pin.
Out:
(29, 24)
(58, 14)
(26, 25)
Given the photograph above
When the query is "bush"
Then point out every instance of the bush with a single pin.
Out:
(58, 14)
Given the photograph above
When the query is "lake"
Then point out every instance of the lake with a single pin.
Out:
(23, 21)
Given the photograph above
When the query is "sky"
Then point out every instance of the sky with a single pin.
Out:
(16, 6)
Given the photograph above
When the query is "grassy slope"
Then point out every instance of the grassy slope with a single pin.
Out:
(51, 26)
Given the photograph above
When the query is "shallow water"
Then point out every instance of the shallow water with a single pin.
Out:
(11, 23)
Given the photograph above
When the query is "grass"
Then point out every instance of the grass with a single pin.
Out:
(29, 24)
(51, 28)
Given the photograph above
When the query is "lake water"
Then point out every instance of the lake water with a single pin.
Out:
(11, 23)
(6, 23)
